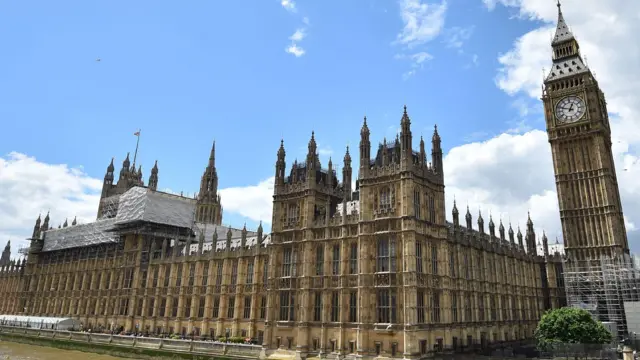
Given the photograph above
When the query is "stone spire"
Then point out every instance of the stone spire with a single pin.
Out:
(563, 33)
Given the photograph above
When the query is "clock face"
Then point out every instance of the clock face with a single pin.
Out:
(570, 109)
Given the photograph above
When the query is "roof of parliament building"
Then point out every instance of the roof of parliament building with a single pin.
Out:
(140, 204)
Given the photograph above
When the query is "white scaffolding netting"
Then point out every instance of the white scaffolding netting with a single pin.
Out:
(603, 288)
(141, 204)
(80, 235)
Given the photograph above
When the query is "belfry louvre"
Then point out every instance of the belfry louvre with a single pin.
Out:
(375, 270)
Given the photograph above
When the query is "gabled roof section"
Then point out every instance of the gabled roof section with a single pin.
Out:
(90, 234)
(563, 33)
(142, 204)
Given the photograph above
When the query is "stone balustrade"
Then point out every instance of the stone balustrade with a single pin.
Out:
(171, 345)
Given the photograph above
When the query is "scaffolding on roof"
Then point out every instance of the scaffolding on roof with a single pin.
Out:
(603, 287)
(95, 233)
(109, 207)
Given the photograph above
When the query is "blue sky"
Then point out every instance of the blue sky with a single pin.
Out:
(187, 73)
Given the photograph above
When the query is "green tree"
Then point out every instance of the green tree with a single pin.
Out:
(570, 326)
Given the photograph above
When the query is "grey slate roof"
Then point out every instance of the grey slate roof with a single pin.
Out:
(567, 67)
(563, 33)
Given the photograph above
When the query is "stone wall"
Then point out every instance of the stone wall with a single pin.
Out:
(129, 346)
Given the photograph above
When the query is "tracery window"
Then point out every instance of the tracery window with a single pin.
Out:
(317, 307)
(179, 276)
(468, 311)
(386, 306)
(293, 213)
(201, 304)
(385, 198)
(215, 308)
(192, 273)
(452, 263)
(205, 274)
(481, 309)
(420, 316)
(435, 306)
(434, 259)
(386, 254)
(247, 307)
(219, 273)
(319, 260)
(287, 302)
(231, 307)
(454, 307)
(335, 262)
(234, 272)
(419, 265)
(353, 306)
(416, 204)
(250, 271)
(335, 307)
(353, 259)
(287, 262)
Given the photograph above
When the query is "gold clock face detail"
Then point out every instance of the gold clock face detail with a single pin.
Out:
(570, 109)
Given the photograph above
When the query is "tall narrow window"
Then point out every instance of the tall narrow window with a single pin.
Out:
(335, 263)
(205, 274)
(434, 259)
(492, 305)
(247, 307)
(467, 272)
(432, 209)
(293, 214)
(481, 309)
(452, 263)
(320, 260)
(386, 306)
(250, 271)
(263, 307)
(231, 308)
(192, 273)
(419, 268)
(454, 307)
(416, 204)
(287, 302)
(385, 199)
(420, 307)
(353, 306)
(435, 306)
(234, 271)
(215, 308)
(179, 276)
(201, 304)
(386, 255)
(265, 271)
(335, 307)
(317, 307)
(287, 261)
(219, 273)
(353, 259)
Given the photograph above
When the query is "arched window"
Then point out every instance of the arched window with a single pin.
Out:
(385, 198)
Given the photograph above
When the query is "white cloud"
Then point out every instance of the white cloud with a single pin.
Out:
(29, 187)
(295, 50)
(501, 176)
(422, 21)
(289, 5)
(298, 35)
(457, 36)
(253, 201)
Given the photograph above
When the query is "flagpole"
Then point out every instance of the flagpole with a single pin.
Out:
(135, 154)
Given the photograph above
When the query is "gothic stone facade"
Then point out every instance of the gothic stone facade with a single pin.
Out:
(365, 271)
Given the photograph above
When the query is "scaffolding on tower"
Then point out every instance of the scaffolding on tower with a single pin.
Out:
(110, 207)
(604, 288)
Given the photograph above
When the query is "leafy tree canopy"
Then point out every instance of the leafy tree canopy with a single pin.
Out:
(570, 326)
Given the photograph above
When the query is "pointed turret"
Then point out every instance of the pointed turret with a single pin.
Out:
(153, 179)
(405, 136)
(423, 154)
(280, 165)
(480, 222)
(492, 227)
(65, 224)
(347, 174)
(365, 149)
(125, 166)
(228, 240)
(208, 208)
(36, 229)
(45, 223)
(512, 239)
(6, 254)
(545, 244)
(530, 236)
(436, 152)
(467, 217)
(260, 234)
(567, 60)
(520, 242)
(75, 221)
(455, 214)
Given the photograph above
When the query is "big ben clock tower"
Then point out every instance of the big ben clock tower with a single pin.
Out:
(580, 138)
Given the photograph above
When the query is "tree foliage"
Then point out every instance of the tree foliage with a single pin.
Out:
(570, 326)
